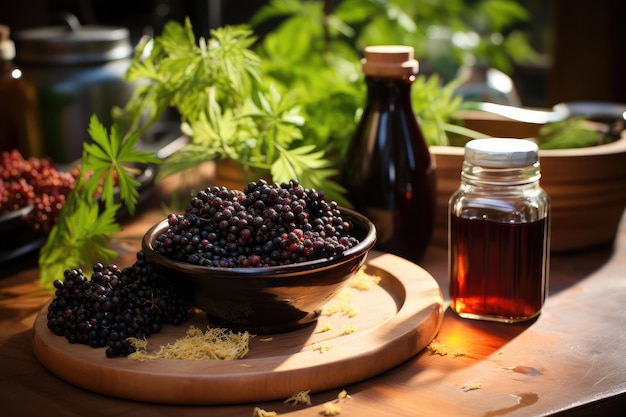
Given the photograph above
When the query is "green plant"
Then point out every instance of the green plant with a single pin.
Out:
(491, 38)
(228, 107)
(85, 225)
(229, 112)
(283, 106)
(314, 51)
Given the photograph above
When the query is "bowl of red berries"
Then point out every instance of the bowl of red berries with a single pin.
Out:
(265, 259)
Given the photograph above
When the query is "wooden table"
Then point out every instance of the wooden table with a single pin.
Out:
(570, 361)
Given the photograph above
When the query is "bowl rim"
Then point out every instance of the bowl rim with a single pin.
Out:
(364, 245)
(616, 147)
(13, 219)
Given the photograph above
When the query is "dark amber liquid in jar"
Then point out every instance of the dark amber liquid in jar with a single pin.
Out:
(498, 269)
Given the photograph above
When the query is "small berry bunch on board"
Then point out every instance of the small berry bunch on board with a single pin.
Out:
(263, 225)
(113, 305)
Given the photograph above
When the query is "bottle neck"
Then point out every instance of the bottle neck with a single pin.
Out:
(500, 177)
(389, 88)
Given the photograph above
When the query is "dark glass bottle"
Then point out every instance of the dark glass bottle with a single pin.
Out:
(19, 126)
(388, 171)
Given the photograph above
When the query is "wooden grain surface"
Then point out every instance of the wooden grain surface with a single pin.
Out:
(396, 319)
(568, 362)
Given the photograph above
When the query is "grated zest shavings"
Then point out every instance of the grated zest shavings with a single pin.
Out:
(348, 329)
(364, 281)
(469, 386)
(326, 327)
(214, 344)
(259, 412)
(301, 397)
(322, 347)
(341, 303)
(332, 408)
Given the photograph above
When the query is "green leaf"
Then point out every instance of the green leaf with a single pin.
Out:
(78, 241)
(570, 133)
(356, 11)
(435, 104)
(108, 159)
(85, 225)
(499, 14)
(311, 169)
(191, 156)
(182, 70)
(275, 8)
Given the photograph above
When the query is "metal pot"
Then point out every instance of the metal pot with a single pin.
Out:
(77, 72)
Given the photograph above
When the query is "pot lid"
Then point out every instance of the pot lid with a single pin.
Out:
(72, 44)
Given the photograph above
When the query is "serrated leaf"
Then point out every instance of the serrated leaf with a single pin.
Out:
(293, 163)
(275, 8)
(84, 227)
(570, 133)
(108, 155)
(189, 157)
(79, 242)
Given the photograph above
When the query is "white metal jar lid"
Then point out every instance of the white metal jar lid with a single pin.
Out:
(501, 152)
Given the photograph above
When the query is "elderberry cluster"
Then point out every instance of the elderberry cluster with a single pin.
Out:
(36, 182)
(263, 225)
(113, 305)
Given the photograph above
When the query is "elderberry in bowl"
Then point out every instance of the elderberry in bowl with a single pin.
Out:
(265, 259)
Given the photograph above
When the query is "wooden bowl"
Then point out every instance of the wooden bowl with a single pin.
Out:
(587, 187)
(265, 300)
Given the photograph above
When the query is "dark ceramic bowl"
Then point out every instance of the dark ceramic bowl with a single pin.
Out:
(265, 300)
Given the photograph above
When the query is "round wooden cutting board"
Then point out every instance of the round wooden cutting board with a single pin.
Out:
(396, 320)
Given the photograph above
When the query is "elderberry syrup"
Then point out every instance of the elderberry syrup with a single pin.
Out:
(499, 233)
(388, 171)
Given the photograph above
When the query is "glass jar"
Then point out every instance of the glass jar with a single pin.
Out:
(388, 173)
(76, 71)
(499, 233)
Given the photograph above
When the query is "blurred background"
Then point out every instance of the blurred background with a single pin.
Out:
(580, 44)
